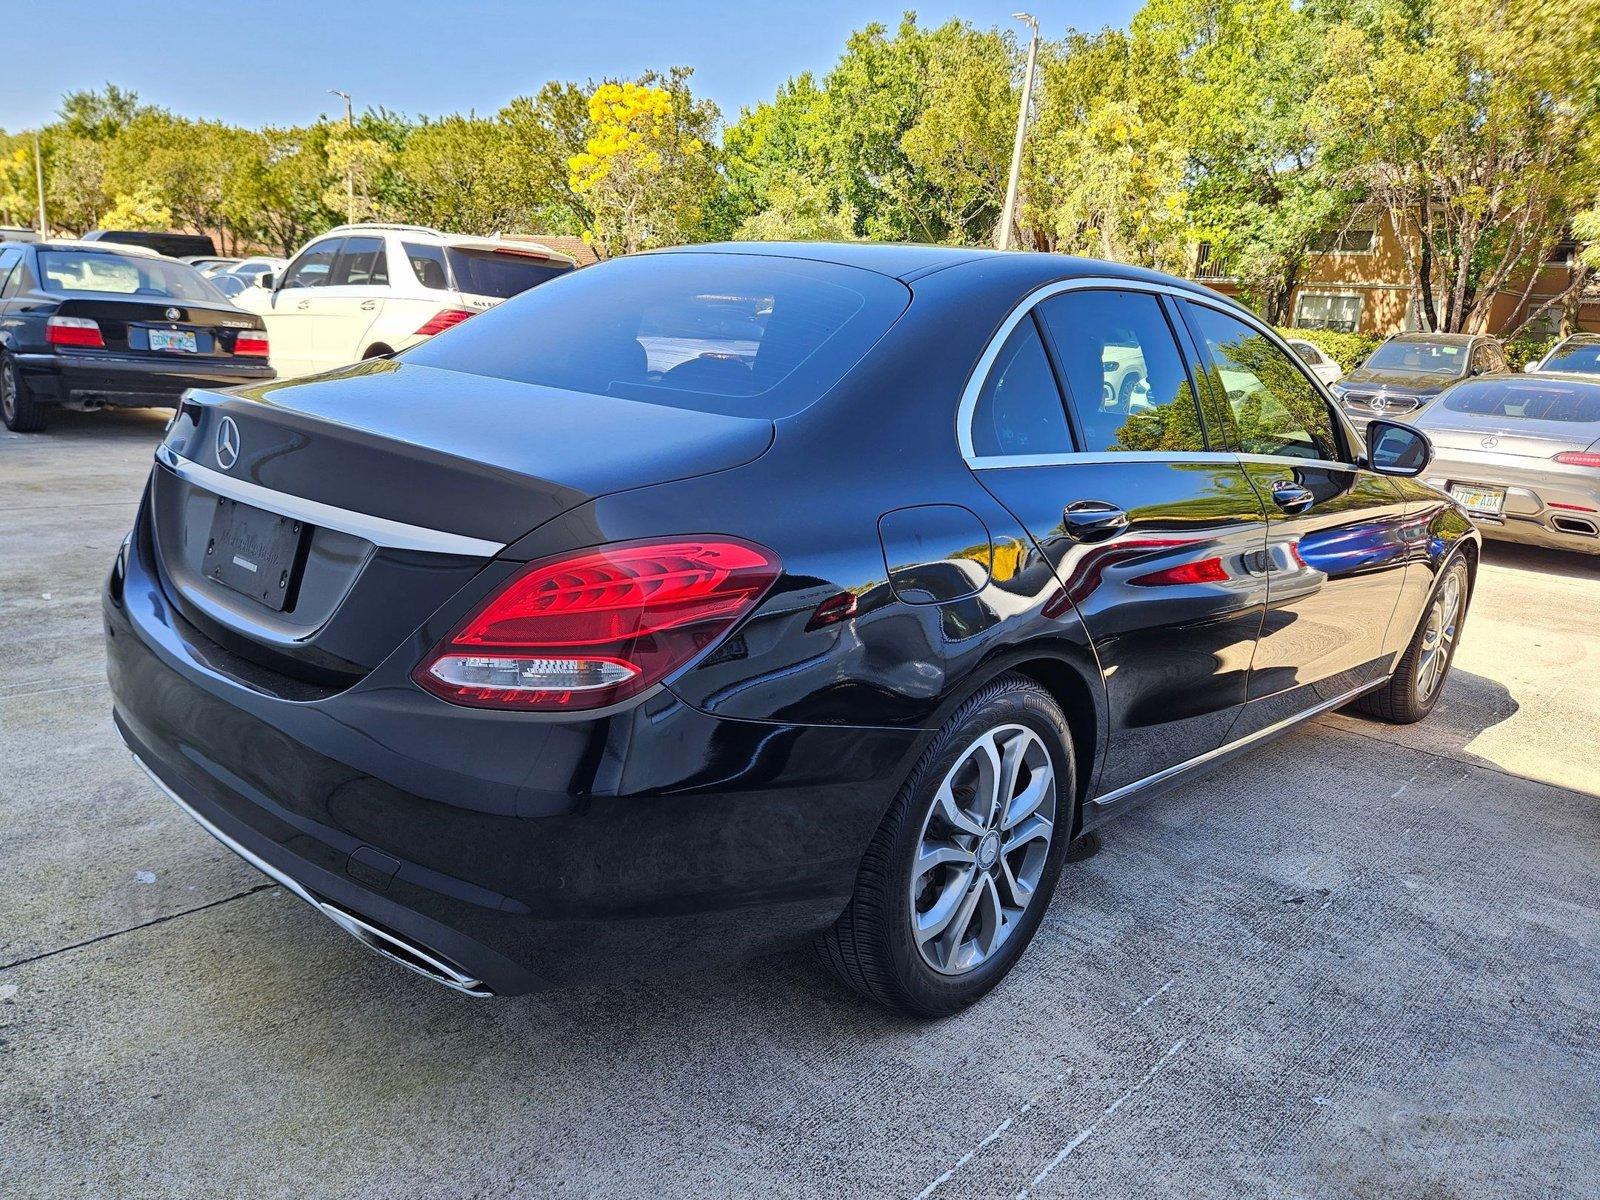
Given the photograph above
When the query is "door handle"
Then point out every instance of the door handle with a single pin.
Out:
(1092, 520)
(1292, 497)
(368, 305)
(304, 304)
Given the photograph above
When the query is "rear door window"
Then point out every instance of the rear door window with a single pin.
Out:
(1125, 378)
(314, 267)
(1275, 407)
(360, 263)
(732, 333)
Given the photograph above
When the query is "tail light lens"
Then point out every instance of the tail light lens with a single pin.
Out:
(1579, 458)
(598, 627)
(252, 343)
(442, 320)
(79, 332)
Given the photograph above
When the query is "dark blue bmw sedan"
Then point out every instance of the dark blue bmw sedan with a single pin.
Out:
(709, 601)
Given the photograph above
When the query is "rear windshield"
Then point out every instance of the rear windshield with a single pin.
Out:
(498, 272)
(1581, 358)
(106, 273)
(1527, 399)
(730, 333)
(1431, 358)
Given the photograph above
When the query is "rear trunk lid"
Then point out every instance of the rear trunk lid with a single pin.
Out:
(1518, 436)
(386, 487)
(163, 328)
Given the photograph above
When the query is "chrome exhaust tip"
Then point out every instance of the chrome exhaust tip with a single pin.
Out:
(393, 946)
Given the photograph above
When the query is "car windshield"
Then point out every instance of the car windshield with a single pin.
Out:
(1425, 358)
(731, 333)
(500, 273)
(1527, 399)
(1580, 358)
(108, 273)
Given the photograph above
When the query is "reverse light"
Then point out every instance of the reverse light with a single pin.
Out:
(595, 628)
(252, 343)
(1579, 458)
(78, 332)
(442, 320)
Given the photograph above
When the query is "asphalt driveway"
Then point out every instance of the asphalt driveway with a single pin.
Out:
(1361, 961)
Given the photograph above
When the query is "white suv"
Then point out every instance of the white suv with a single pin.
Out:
(359, 291)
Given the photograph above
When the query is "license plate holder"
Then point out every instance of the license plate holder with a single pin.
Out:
(1479, 499)
(255, 552)
(180, 341)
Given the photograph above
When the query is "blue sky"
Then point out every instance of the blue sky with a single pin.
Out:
(273, 61)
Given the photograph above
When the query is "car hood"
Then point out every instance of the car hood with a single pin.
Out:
(1411, 383)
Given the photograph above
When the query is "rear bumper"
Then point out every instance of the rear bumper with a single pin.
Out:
(520, 852)
(129, 380)
(1547, 504)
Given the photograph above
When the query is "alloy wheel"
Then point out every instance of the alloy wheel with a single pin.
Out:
(1439, 635)
(8, 393)
(983, 848)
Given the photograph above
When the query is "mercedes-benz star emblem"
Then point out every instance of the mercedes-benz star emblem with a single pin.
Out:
(1490, 442)
(227, 444)
(173, 314)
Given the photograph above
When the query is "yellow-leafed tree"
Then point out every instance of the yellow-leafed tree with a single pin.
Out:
(646, 170)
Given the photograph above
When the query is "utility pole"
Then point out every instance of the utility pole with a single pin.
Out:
(1008, 214)
(38, 177)
(349, 166)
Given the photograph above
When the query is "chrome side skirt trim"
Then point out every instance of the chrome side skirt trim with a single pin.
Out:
(380, 531)
(1112, 799)
(396, 949)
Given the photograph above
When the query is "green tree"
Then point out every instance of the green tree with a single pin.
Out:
(1471, 125)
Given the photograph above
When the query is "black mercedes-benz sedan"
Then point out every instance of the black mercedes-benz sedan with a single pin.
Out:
(712, 600)
(87, 324)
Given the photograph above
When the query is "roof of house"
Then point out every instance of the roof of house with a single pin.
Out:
(574, 248)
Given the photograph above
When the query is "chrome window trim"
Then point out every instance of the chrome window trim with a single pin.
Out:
(380, 531)
(967, 409)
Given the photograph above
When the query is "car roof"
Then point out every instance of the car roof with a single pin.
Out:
(907, 262)
(106, 247)
(1583, 337)
(1438, 339)
(427, 235)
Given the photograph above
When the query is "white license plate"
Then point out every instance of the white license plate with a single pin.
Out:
(173, 339)
(1480, 501)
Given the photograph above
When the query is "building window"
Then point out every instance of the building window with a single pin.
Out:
(1322, 310)
(1359, 236)
(1563, 254)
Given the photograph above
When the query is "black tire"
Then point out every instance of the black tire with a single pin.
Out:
(20, 411)
(377, 351)
(1405, 699)
(871, 947)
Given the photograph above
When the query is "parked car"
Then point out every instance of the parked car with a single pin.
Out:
(365, 291)
(716, 599)
(253, 268)
(1578, 354)
(207, 265)
(1410, 369)
(86, 324)
(1522, 454)
(1323, 367)
(173, 245)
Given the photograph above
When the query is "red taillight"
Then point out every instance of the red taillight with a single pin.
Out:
(1204, 570)
(444, 319)
(79, 332)
(252, 343)
(1579, 458)
(597, 627)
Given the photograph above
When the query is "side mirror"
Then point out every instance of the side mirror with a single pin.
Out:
(1396, 449)
(265, 280)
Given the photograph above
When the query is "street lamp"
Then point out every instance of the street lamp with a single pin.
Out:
(349, 165)
(1009, 212)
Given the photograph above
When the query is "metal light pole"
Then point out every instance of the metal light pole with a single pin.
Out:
(38, 176)
(349, 166)
(1009, 212)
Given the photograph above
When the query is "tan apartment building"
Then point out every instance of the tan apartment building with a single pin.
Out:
(1355, 282)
